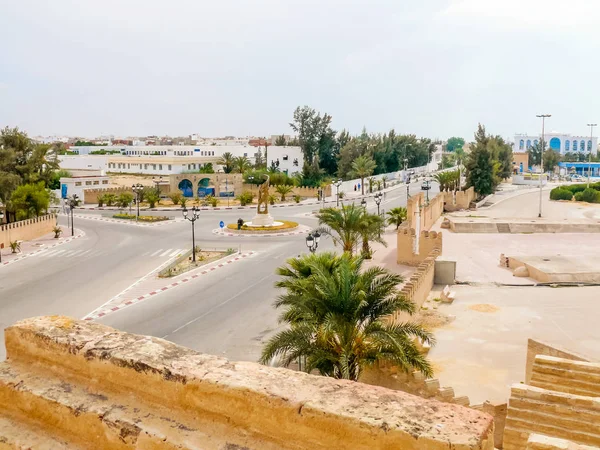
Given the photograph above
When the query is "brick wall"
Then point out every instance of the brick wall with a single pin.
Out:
(80, 382)
(26, 230)
(535, 348)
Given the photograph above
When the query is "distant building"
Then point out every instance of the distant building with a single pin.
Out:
(562, 143)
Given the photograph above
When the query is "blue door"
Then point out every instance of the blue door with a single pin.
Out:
(63, 190)
(186, 187)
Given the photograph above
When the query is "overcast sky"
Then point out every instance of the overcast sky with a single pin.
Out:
(434, 68)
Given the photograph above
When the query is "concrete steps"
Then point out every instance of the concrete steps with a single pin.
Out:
(17, 435)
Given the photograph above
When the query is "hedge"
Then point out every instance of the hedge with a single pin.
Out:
(559, 193)
(591, 196)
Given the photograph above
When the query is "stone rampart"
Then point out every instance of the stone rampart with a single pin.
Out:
(429, 212)
(535, 348)
(86, 385)
(563, 375)
(90, 196)
(541, 442)
(303, 191)
(405, 241)
(26, 230)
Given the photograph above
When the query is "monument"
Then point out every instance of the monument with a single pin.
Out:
(262, 217)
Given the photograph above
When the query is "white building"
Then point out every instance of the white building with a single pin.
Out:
(562, 143)
(168, 160)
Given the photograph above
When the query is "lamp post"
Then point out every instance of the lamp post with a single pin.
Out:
(194, 216)
(543, 147)
(1, 221)
(363, 203)
(137, 189)
(157, 183)
(72, 201)
(337, 185)
(591, 125)
(312, 241)
(378, 197)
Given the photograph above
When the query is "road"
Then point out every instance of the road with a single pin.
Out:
(228, 312)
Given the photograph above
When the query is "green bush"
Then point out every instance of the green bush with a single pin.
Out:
(297, 198)
(575, 188)
(175, 197)
(141, 218)
(591, 196)
(579, 196)
(211, 200)
(559, 193)
(245, 198)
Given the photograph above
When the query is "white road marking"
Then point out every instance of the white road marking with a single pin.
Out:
(156, 252)
(165, 253)
(175, 252)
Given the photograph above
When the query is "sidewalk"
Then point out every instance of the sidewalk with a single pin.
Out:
(35, 246)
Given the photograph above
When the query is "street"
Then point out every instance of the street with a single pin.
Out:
(228, 312)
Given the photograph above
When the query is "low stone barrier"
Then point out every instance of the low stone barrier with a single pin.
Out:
(26, 230)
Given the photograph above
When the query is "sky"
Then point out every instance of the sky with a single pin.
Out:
(434, 68)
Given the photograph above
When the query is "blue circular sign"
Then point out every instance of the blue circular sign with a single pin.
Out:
(222, 224)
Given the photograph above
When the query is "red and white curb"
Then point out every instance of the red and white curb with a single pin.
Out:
(301, 230)
(128, 221)
(111, 307)
(42, 249)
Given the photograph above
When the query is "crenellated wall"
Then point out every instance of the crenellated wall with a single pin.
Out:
(428, 242)
(304, 192)
(79, 384)
(90, 196)
(429, 212)
(26, 230)
(536, 347)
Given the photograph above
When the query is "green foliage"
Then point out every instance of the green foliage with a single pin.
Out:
(57, 231)
(372, 181)
(207, 168)
(152, 197)
(482, 169)
(183, 201)
(535, 154)
(448, 180)
(272, 199)
(453, 143)
(110, 199)
(297, 198)
(336, 313)
(370, 230)
(241, 164)
(397, 216)
(578, 196)
(575, 188)
(551, 160)
(317, 138)
(591, 196)
(140, 218)
(280, 141)
(559, 193)
(362, 167)
(175, 197)
(29, 200)
(245, 198)
(101, 200)
(283, 190)
(15, 246)
(211, 200)
(227, 162)
(124, 199)
(54, 182)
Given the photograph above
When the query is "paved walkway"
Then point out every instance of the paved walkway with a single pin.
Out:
(37, 246)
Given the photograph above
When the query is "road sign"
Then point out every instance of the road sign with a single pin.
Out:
(222, 224)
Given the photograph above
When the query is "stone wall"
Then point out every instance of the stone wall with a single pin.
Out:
(90, 196)
(304, 192)
(455, 201)
(429, 213)
(535, 348)
(428, 242)
(86, 385)
(418, 286)
(561, 402)
(541, 442)
(26, 230)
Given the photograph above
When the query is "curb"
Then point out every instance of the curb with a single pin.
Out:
(302, 229)
(107, 309)
(39, 250)
(127, 221)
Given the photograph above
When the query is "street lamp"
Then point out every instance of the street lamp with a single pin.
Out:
(194, 216)
(543, 116)
(137, 190)
(312, 241)
(157, 183)
(378, 197)
(363, 203)
(591, 125)
(72, 202)
(337, 185)
(1, 221)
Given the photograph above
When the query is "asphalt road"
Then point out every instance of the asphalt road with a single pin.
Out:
(228, 312)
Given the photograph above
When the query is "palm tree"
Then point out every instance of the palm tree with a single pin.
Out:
(443, 179)
(362, 167)
(372, 182)
(384, 179)
(241, 164)
(337, 313)
(397, 216)
(283, 190)
(227, 161)
(342, 224)
(370, 230)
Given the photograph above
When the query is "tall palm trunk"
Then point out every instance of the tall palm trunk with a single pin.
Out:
(362, 185)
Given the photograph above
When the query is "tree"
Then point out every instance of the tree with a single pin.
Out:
(110, 199)
(502, 154)
(124, 199)
(241, 164)
(283, 190)
(207, 168)
(30, 200)
(551, 160)
(370, 231)
(280, 141)
(480, 165)
(342, 224)
(152, 198)
(227, 161)
(337, 317)
(454, 143)
(534, 154)
(362, 167)
(56, 176)
(397, 216)
(372, 181)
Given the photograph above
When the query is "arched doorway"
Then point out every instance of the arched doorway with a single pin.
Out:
(186, 187)
(555, 143)
(204, 189)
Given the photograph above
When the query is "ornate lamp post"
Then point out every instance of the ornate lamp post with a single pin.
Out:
(194, 216)
(363, 203)
(378, 197)
(137, 189)
(337, 185)
(312, 241)
(72, 202)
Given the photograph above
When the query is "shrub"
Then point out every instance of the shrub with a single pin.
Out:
(574, 188)
(101, 200)
(591, 196)
(579, 196)
(183, 201)
(110, 199)
(559, 193)
(175, 197)
(297, 198)
(141, 218)
(272, 199)
(152, 198)
(57, 232)
(245, 198)
(124, 199)
(15, 246)
(211, 200)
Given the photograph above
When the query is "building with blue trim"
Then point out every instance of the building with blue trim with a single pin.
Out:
(579, 168)
(562, 143)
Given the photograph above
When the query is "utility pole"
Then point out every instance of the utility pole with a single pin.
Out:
(591, 125)
(542, 148)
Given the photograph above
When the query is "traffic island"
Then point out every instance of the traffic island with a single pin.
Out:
(249, 228)
(125, 216)
(187, 261)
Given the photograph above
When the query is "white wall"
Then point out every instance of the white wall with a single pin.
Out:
(94, 162)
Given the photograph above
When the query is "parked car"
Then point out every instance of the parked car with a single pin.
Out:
(425, 185)
(576, 177)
